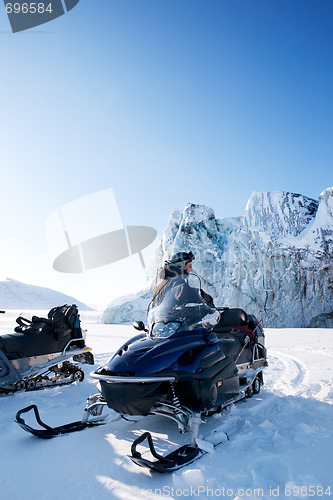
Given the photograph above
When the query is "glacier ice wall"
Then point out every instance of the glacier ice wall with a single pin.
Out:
(274, 262)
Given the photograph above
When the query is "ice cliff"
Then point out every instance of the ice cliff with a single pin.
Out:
(274, 262)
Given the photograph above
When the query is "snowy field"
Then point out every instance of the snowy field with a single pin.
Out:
(280, 446)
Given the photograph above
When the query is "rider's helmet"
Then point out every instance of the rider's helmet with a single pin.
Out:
(181, 259)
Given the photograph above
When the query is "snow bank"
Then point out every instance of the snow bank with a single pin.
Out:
(14, 294)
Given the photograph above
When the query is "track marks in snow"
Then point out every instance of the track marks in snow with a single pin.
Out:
(274, 438)
(289, 373)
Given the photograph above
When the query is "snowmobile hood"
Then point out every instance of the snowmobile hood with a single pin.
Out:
(149, 356)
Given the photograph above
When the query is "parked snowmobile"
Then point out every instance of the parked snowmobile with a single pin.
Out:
(191, 361)
(39, 351)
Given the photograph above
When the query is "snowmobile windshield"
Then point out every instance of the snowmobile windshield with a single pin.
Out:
(177, 305)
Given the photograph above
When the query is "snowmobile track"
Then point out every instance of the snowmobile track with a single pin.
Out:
(295, 372)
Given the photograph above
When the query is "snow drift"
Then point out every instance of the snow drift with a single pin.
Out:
(275, 261)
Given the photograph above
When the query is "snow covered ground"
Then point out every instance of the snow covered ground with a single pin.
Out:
(280, 446)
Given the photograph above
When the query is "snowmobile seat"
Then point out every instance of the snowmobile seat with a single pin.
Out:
(239, 323)
(43, 341)
(221, 328)
(235, 317)
(34, 326)
(40, 336)
(229, 319)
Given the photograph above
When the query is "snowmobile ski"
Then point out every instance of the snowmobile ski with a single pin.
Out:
(94, 407)
(175, 460)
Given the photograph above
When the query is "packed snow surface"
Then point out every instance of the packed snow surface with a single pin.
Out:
(280, 443)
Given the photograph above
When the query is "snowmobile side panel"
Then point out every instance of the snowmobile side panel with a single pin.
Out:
(8, 373)
(85, 357)
(209, 385)
(20, 345)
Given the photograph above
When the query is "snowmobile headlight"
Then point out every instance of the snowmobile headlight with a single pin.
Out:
(165, 329)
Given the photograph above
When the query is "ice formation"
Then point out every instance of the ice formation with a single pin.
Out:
(274, 262)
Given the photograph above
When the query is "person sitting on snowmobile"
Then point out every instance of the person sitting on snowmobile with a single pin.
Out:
(173, 275)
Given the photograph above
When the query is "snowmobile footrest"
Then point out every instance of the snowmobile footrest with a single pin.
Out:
(171, 462)
(49, 432)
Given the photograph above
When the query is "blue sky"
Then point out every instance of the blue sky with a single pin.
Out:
(166, 102)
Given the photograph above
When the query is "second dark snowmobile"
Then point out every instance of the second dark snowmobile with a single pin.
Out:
(40, 352)
(191, 361)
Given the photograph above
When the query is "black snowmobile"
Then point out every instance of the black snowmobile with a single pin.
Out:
(191, 361)
(39, 351)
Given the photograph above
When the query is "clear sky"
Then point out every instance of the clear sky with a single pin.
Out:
(166, 102)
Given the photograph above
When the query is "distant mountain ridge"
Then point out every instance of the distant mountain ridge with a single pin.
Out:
(17, 295)
(276, 261)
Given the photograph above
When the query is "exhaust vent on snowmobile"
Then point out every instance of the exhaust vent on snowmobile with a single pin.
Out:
(124, 349)
(141, 351)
